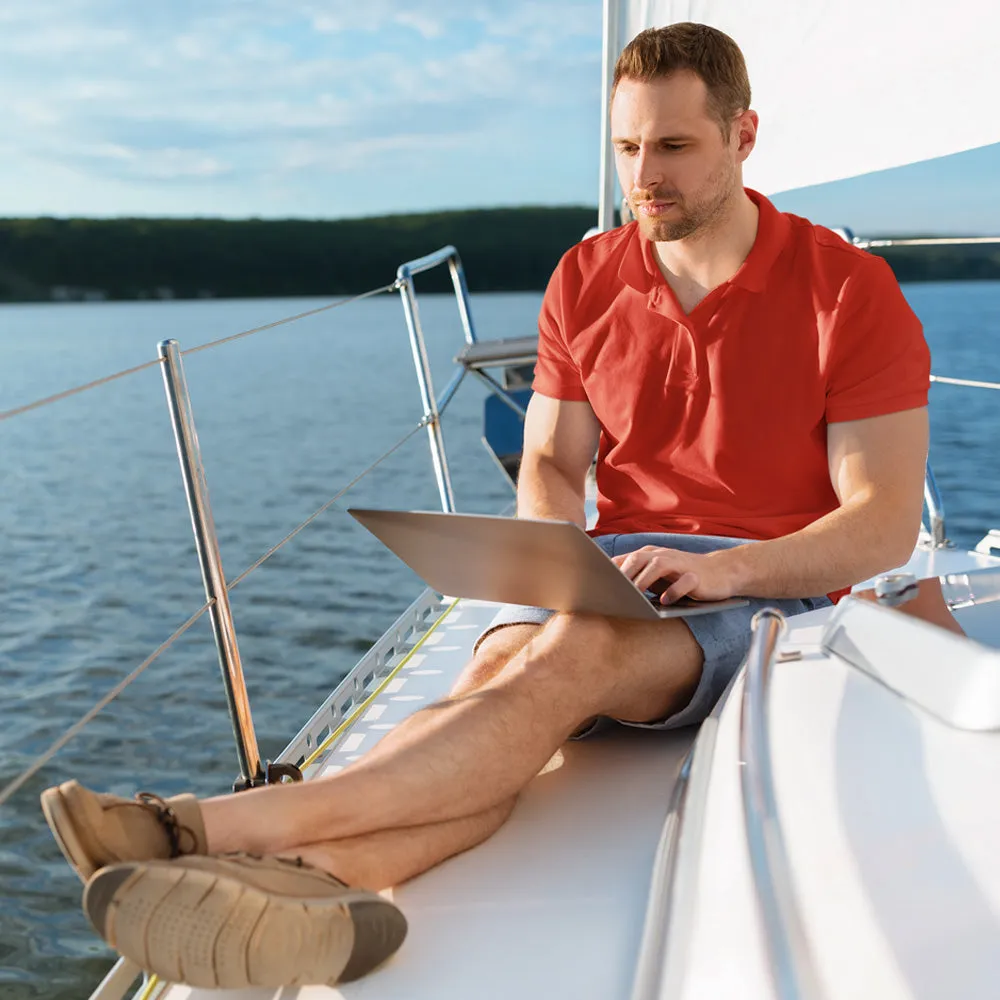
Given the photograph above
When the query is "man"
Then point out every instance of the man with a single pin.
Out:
(755, 389)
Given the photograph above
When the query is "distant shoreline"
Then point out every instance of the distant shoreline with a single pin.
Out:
(506, 249)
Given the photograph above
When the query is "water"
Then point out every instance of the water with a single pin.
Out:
(97, 565)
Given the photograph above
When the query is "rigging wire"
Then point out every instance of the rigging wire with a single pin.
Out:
(43, 758)
(39, 762)
(66, 393)
(291, 319)
(76, 390)
(312, 517)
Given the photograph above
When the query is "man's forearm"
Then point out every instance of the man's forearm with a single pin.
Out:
(545, 492)
(843, 548)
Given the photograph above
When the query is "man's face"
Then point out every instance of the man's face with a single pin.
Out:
(675, 167)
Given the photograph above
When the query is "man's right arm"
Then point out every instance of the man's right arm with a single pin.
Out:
(560, 441)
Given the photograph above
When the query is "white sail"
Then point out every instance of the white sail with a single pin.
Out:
(845, 87)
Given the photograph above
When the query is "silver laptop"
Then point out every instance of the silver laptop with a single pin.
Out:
(547, 564)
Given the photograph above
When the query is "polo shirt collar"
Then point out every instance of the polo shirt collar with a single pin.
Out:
(640, 271)
(773, 228)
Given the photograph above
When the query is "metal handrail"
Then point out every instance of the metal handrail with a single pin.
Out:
(410, 269)
(656, 925)
(932, 496)
(927, 241)
(789, 957)
(968, 382)
(661, 968)
(935, 510)
(432, 406)
(449, 390)
(500, 392)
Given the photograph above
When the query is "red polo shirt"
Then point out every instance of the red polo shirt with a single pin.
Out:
(714, 422)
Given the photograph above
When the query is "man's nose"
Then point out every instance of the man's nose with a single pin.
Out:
(647, 172)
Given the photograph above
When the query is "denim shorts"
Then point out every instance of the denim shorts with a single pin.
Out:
(724, 636)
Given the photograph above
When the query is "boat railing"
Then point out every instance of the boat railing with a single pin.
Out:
(935, 511)
(433, 407)
(253, 771)
(473, 360)
(170, 358)
(936, 537)
(789, 956)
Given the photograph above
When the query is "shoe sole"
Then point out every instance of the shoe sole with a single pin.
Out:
(58, 815)
(214, 931)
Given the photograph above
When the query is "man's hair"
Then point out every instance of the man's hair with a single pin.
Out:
(659, 52)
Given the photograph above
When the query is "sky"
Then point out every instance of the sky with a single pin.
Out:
(301, 108)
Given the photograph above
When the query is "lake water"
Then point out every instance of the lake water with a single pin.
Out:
(97, 563)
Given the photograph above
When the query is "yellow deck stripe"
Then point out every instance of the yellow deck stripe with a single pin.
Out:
(149, 989)
(361, 708)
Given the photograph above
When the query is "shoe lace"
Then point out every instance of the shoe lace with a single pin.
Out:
(167, 819)
(295, 862)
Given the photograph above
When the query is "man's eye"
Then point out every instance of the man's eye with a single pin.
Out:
(627, 150)
(673, 147)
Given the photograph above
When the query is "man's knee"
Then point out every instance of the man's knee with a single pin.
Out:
(574, 650)
(494, 652)
(611, 665)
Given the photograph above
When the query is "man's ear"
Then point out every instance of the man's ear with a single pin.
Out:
(746, 133)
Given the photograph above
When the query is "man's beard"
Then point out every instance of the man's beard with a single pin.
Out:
(696, 217)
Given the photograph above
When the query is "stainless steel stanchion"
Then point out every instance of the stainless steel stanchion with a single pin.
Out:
(422, 365)
(207, 543)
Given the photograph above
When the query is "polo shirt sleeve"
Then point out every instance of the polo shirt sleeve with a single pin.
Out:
(879, 360)
(557, 375)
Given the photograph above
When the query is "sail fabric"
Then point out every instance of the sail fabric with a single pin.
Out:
(845, 87)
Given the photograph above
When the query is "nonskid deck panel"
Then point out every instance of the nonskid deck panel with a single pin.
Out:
(425, 675)
(319, 737)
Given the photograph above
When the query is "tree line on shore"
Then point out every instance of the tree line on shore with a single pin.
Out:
(504, 249)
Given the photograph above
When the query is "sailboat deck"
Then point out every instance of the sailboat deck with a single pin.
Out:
(555, 904)
(552, 905)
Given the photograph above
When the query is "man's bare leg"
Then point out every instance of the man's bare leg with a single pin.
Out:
(389, 857)
(472, 752)
(494, 652)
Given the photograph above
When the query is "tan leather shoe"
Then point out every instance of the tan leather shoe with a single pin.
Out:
(237, 920)
(93, 829)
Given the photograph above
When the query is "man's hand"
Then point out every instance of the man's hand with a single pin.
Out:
(704, 577)
(877, 472)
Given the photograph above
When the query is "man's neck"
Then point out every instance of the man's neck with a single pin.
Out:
(696, 265)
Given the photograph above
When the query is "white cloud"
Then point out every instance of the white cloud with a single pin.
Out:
(226, 93)
(427, 27)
